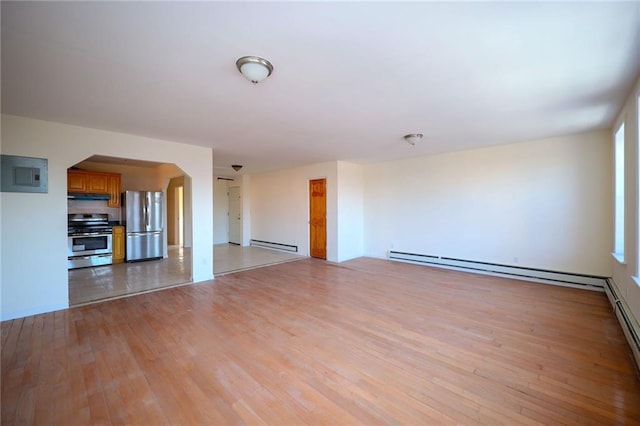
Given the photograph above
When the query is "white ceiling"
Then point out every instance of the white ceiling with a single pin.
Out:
(350, 79)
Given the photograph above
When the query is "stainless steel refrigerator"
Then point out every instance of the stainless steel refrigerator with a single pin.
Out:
(143, 215)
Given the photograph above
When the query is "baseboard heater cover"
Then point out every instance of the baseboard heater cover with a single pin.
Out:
(590, 282)
(275, 246)
(630, 328)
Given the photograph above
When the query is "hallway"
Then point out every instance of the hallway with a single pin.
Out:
(229, 258)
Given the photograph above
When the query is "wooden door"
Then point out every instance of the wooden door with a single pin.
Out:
(318, 218)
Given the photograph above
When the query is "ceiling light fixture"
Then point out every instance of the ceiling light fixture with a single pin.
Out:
(412, 138)
(236, 167)
(254, 69)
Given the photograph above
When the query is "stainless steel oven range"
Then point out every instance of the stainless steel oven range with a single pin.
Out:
(89, 240)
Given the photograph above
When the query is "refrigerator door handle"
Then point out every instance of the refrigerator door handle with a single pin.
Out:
(146, 212)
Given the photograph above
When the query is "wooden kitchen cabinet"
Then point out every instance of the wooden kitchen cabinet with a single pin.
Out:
(85, 182)
(76, 181)
(117, 243)
(113, 188)
(97, 183)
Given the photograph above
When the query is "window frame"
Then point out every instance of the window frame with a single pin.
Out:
(619, 193)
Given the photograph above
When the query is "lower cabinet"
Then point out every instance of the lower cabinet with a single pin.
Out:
(118, 244)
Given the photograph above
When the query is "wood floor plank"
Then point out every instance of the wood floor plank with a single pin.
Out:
(367, 341)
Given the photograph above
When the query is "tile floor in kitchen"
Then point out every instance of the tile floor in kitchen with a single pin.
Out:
(106, 282)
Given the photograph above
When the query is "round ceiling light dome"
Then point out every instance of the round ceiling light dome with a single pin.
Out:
(413, 138)
(254, 68)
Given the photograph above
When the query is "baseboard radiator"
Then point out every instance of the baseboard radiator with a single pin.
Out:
(589, 282)
(629, 326)
(274, 246)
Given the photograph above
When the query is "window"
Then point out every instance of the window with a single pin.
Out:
(619, 195)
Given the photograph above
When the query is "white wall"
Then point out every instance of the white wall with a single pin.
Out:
(245, 208)
(34, 226)
(2, 247)
(626, 274)
(541, 204)
(280, 206)
(220, 211)
(350, 210)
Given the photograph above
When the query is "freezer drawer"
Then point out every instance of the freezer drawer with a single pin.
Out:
(144, 245)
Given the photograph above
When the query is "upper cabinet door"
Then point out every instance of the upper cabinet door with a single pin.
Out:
(114, 191)
(98, 183)
(76, 181)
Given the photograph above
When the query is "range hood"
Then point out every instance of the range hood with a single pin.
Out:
(84, 196)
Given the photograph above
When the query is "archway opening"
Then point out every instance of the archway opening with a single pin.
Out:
(136, 254)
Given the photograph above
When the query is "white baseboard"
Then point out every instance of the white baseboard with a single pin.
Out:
(275, 246)
(567, 279)
(629, 324)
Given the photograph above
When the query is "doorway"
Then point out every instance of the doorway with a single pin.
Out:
(180, 215)
(176, 212)
(318, 218)
(235, 219)
(116, 280)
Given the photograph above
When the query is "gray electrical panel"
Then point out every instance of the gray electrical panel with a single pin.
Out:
(23, 174)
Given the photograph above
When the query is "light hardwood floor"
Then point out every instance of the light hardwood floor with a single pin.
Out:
(310, 342)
